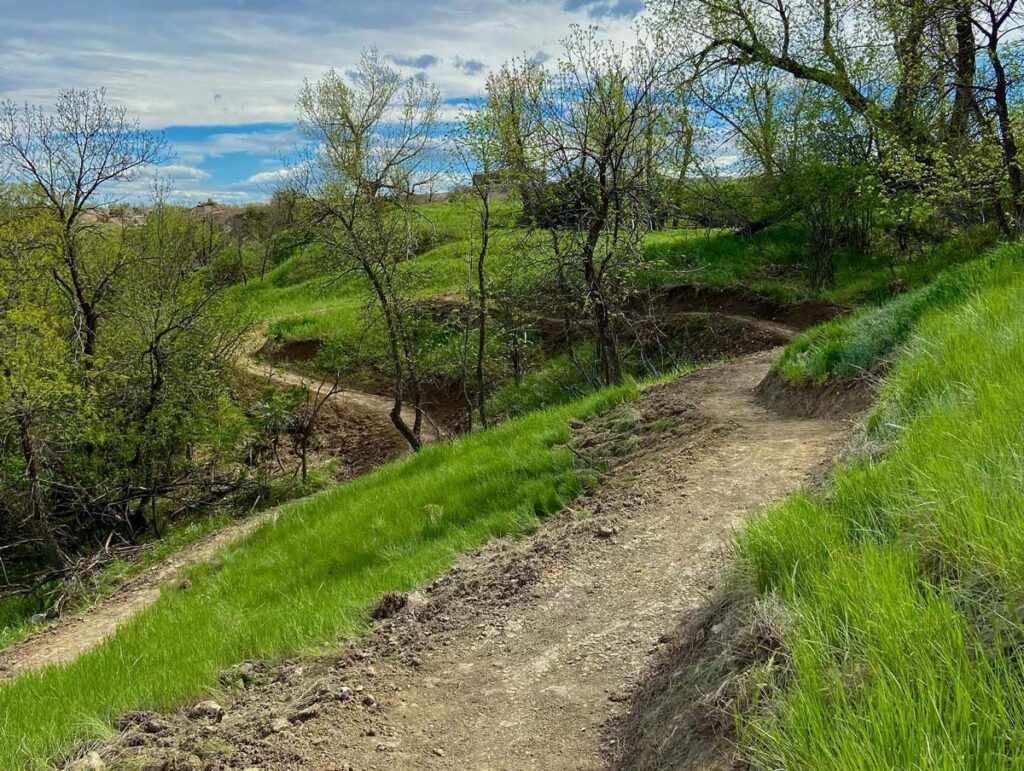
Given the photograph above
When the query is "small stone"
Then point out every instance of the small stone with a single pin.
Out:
(384, 747)
(606, 532)
(344, 693)
(279, 724)
(369, 701)
(306, 714)
(716, 629)
(91, 762)
(207, 709)
(439, 752)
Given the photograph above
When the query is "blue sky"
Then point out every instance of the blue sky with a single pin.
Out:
(219, 77)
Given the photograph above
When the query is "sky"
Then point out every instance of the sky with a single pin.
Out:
(219, 78)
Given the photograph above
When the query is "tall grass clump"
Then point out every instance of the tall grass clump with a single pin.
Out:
(850, 346)
(304, 579)
(904, 580)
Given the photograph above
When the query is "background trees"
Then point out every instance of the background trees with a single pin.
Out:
(910, 93)
(69, 156)
(590, 143)
(115, 349)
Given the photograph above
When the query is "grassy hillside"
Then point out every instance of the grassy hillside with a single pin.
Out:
(772, 263)
(303, 580)
(304, 298)
(901, 583)
(859, 343)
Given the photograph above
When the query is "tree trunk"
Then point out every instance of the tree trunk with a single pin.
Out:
(965, 65)
(481, 314)
(395, 347)
(37, 504)
(1007, 136)
(607, 349)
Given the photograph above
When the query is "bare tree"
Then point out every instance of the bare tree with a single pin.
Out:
(69, 155)
(375, 138)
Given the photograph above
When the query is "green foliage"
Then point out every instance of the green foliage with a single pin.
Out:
(305, 578)
(902, 582)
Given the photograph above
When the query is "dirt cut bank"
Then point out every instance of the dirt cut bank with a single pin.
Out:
(521, 655)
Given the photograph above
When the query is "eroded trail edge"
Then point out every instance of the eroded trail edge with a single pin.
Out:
(520, 656)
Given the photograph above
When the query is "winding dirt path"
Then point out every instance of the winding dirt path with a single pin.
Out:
(68, 638)
(530, 688)
(522, 654)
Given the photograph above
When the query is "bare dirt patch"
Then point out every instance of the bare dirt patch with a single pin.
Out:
(520, 656)
(69, 637)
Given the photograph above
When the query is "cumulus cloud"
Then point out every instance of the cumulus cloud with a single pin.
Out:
(469, 66)
(421, 62)
(257, 142)
(225, 62)
(268, 177)
(234, 67)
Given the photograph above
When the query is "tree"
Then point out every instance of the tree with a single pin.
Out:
(477, 153)
(69, 156)
(602, 134)
(374, 137)
(908, 70)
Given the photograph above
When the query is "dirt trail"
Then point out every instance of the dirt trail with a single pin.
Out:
(523, 653)
(71, 636)
(431, 431)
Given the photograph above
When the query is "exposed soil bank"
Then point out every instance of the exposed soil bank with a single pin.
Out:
(688, 297)
(838, 399)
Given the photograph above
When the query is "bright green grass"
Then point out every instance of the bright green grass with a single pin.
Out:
(904, 581)
(854, 344)
(305, 579)
(300, 301)
(770, 263)
(558, 380)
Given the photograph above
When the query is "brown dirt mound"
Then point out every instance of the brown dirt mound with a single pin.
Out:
(688, 297)
(835, 399)
(712, 336)
(284, 351)
(682, 714)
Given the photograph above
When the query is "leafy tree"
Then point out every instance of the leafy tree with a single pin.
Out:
(601, 130)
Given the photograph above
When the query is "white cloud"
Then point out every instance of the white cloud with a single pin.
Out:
(201, 64)
(268, 177)
(178, 171)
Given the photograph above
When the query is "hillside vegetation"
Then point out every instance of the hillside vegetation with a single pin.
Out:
(900, 582)
(451, 280)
